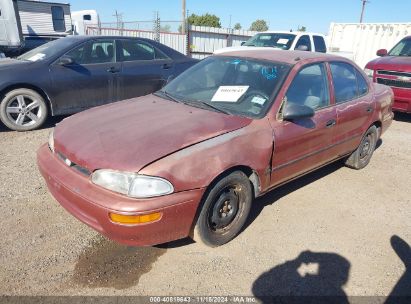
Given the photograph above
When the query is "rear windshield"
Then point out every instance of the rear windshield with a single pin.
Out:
(277, 40)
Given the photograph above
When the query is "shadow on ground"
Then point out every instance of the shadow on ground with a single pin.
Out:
(312, 277)
(404, 117)
(50, 122)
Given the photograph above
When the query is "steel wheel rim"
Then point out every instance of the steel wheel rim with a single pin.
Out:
(366, 147)
(24, 110)
(224, 212)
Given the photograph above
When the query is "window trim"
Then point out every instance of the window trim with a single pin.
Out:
(121, 56)
(88, 41)
(279, 115)
(356, 81)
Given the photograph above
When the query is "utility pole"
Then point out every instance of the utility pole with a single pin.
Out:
(364, 2)
(119, 20)
(183, 14)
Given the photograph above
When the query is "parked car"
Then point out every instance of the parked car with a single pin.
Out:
(282, 40)
(393, 68)
(75, 73)
(191, 158)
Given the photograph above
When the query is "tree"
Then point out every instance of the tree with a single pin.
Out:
(165, 28)
(301, 29)
(237, 26)
(259, 25)
(204, 20)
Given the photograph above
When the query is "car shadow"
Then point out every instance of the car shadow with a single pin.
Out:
(403, 117)
(50, 123)
(312, 277)
(274, 195)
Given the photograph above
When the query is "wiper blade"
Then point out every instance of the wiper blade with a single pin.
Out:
(213, 107)
(168, 96)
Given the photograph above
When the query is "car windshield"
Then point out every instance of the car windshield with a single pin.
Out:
(47, 50)
(277, 40)
(403, 48)
(238, 86)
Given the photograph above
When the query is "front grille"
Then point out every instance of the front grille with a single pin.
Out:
(395, 83)
(69, 163)
(393, 73)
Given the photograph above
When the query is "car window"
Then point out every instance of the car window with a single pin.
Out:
(57, 14)
(304, 40)
(344, 80)
(362, 84)
(319, 44)
(276, 40)
(310, 87)
(92, 52)
(132, 50)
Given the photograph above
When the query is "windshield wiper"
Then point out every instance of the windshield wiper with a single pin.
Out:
(212, 107)
(168, 96)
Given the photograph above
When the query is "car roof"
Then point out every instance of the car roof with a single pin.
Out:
(87, 37)
(289, 57)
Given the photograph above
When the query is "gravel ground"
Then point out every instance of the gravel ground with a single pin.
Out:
(336, 231)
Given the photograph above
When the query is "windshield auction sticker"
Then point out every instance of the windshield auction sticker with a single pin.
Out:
(229, 93)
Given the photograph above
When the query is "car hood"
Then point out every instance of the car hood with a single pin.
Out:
(392, 63)
(131, 134)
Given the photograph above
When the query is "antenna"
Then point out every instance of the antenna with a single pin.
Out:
(364, 2)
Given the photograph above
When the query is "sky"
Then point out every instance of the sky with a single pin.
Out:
(315, 15)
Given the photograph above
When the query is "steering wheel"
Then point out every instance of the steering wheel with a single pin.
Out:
(255, 93)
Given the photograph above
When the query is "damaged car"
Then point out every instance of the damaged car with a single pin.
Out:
(190, 159)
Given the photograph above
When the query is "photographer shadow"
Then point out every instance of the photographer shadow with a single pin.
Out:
(313, 277)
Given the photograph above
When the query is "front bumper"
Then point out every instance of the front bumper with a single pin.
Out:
(92, 204)
(402, 100)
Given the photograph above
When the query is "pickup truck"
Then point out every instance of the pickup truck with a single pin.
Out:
(283, 40)
(393, 68)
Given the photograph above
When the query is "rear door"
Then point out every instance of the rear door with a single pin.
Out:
(304, 144)
(354, 104)
(145, 69)
(90, 80)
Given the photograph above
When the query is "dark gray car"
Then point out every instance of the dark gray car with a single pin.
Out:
(72, 74)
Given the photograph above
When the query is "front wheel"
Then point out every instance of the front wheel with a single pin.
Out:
(362, 155)
(225, 210)
(23, 110)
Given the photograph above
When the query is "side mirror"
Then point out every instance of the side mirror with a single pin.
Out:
(65, 60)
(294, 111)
(302, 48)
(382, 52)
(242, 43)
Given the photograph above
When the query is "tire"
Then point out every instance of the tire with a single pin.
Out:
(362, 155)
(23, 110)
(224, 211)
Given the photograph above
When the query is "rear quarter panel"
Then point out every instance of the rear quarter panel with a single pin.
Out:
(384, 99)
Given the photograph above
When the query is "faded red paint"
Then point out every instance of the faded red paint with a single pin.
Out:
(192, 147)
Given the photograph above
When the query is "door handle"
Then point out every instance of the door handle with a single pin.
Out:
(167, 66)
(330, 123)
(113, 70)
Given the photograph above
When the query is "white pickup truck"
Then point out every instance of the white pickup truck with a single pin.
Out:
(303, 41)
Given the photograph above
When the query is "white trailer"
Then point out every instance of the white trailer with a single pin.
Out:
(362, 40)
(83, 19)
(25, 24)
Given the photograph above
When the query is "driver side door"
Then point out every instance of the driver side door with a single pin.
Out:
(302, 145)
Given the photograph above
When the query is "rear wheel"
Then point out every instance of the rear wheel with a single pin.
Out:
(225, 210)
(362, 155)
(23, 110)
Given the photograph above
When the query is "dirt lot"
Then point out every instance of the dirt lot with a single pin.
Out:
(330, 232)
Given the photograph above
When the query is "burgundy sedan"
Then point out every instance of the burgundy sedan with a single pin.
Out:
(190, 159)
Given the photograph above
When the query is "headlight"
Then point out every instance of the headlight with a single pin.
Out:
(51, 140)
(369, 72)
(131, 184)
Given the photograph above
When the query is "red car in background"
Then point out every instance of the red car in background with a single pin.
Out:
(393, 68)
(191, 158)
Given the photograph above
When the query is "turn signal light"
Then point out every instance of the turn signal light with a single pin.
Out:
(134, 219)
